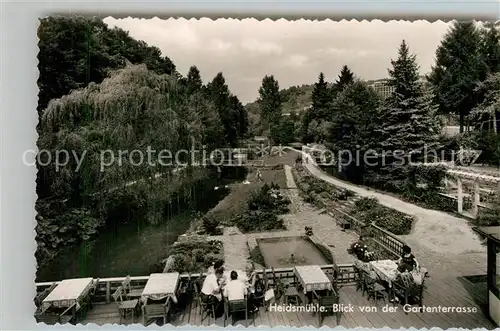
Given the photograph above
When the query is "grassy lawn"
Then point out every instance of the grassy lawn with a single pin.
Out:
(236, 202)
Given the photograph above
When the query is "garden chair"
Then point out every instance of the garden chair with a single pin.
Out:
(51, 318)
(206, 309)
(406, 288)
(327, 302)
(124, 306)
(129, 292)
(360, 280)
(152, 311)
(374, 289)
(259, 300)
(86, 302)
(42, 295)
(234, 307)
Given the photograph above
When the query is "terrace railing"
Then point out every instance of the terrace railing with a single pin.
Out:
(107, 286)
(383, 238)
(386, 240)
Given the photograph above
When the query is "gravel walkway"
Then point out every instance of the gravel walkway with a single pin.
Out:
(443, 243)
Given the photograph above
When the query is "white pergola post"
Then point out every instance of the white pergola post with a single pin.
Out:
(476, 201)
(460, 196)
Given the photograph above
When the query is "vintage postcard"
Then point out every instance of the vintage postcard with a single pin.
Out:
(268, 173)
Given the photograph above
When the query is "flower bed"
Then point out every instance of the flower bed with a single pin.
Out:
(195, 255)
(316, 191)
(368, 210)
(264, 206)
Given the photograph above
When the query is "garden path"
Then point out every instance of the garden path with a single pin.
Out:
(446, 243)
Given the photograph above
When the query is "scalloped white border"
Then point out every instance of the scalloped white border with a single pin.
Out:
(18, 100)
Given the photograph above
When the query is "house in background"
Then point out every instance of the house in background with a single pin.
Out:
(492, 234)
(384, 90)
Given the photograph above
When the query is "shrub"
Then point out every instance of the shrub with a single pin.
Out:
(195, 255)
(365, 204)
(269, 198)
(257, 220)
(490, 217)
(256, 256)
(369, 210)
(211, 226)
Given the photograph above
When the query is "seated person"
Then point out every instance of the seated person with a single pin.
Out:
(259, 290)
(211, 289)
(237, 290)
(250, 271)
(407, 262)
(259, 286)
(214, 266)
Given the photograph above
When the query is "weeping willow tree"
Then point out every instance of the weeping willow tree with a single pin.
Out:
(113, 133)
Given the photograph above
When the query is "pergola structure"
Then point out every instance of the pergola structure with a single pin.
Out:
(456, 179)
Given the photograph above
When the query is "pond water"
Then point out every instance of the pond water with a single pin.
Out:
(290, 251)
(131, 249)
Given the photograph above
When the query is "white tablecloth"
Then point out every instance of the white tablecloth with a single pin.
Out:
(312, 278)
(161, 286)
(388, 270)
(68, 292)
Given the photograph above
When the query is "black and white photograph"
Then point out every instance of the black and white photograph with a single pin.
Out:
(297, 173)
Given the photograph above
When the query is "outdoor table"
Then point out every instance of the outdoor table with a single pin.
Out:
(68, 292)
(386, 270)
(161, 286)
(312, 278)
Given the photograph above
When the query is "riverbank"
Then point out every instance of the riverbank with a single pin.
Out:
(136, 248)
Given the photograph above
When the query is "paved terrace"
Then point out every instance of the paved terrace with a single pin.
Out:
(445, 288)
(449, 293)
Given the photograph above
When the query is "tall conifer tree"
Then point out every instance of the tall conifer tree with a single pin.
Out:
(270, 104)
(346, 77)
(409, 125)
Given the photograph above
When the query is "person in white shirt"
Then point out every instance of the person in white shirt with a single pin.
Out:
(237, 290)
(214, 266)
(211, 289)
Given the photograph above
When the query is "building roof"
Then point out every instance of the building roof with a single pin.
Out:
(491, 232)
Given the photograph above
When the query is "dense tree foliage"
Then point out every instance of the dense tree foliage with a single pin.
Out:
(133, 110)
(193, 80)
(346, 77)
(231, 111)
(490, 48)
(459, 68)
(108, 99)
(315, 122)
(75, 51)
(355, 120)
(270, 106)
(321, 99)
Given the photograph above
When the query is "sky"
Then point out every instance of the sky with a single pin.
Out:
(295, 52)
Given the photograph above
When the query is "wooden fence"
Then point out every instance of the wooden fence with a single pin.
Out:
(107, 286)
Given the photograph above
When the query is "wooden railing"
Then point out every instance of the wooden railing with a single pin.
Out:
(383, 238)
(107, 286)
(386, 240)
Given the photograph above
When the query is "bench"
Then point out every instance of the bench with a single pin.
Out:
(344, 224)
